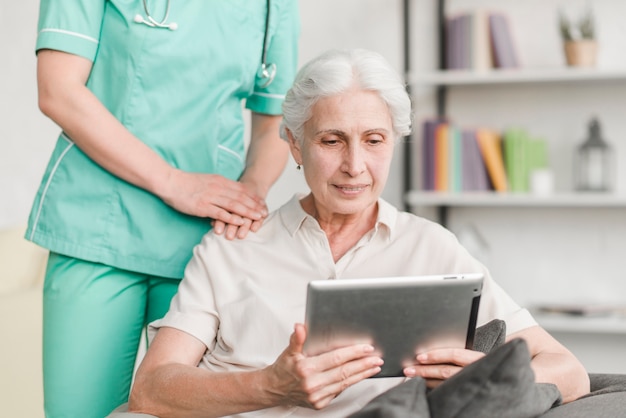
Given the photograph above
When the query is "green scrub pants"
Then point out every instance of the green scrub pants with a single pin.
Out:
(93, 319)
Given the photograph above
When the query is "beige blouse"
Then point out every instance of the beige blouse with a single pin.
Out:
(242, 297)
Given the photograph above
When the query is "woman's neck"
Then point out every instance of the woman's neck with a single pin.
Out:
(343, 231)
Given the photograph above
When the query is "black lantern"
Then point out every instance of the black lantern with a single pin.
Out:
(594, 162)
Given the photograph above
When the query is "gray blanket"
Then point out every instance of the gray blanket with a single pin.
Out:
(499, 385)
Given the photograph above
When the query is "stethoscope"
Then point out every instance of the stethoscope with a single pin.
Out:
(266, 71)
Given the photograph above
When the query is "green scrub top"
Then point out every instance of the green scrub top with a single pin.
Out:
(179, 91)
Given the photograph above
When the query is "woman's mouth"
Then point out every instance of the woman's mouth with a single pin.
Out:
(351, 188)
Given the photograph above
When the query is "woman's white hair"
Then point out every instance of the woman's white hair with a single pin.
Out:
(335, 72)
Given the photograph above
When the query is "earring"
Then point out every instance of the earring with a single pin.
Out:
(298, 167)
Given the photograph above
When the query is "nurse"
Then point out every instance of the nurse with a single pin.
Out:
(148, 95)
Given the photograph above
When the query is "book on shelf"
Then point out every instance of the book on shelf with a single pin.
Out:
(474, 171)
(482, 57)
(522, 155)
(429, 128)
(479, 40)
(515, 159)
(455, 149)
(451, 159)
(454, 41)
(502, 45)
(456, 159)
(442, 151)
(490, 145)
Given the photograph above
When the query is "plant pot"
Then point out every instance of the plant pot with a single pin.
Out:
(581, 53)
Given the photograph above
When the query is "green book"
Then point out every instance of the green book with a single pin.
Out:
(516, 159)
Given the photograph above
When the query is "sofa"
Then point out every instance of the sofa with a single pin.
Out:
(22, 266)
(500, 385)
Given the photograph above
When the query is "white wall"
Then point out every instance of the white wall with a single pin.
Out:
(28, 136)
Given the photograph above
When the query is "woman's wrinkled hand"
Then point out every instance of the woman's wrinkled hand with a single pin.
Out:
(313, 382)
(436, 366)
(231, 231)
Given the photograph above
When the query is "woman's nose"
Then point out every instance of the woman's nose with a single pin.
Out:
(353, 162)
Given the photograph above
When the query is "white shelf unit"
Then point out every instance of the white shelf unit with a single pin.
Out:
(444, 80)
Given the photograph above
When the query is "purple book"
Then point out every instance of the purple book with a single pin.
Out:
(504, 53)
(428, 153)
(474, 170)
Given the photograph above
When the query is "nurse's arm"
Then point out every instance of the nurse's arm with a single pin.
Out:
(267, 153)
(64, 98)
(265, 161)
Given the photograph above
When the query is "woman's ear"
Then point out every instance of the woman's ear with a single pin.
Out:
(294, 146)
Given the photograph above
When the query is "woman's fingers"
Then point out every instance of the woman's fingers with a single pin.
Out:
(237, 231)
(314, 381)
(338, 357)
(256, 225)
(338, 379)
(458, 356)
(297, 339)
(334, 385)
(438, 365)
(331, 373)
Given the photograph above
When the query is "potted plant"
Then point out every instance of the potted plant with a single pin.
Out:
(579, 40)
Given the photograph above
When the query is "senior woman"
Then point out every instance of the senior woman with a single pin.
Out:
(232, 341)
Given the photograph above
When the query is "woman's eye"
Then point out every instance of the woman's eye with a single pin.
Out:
(374, 140)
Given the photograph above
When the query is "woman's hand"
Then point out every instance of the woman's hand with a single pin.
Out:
(232, 231)
(437, 365)
(314, 382)
(213, 196)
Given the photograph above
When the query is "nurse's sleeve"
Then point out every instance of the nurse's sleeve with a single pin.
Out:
(71, 26)
(282, 51)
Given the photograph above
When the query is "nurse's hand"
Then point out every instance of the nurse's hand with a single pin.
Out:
(435, 366)
(213, 196)
(313, 382)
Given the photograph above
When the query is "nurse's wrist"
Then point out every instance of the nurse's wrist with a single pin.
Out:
(252, 181)
(163, 185)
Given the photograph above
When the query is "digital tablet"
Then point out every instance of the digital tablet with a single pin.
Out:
(399, 316)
